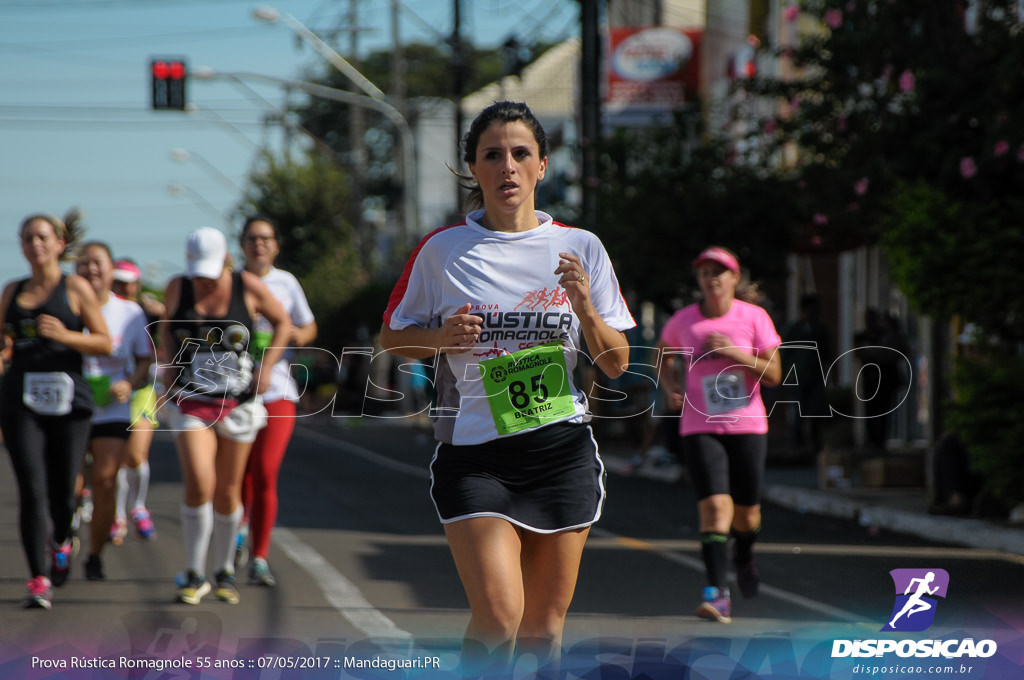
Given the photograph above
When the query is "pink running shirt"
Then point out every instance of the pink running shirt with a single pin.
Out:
(721, 398)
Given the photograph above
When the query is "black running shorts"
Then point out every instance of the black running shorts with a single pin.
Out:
(113, 430)
(545, 480)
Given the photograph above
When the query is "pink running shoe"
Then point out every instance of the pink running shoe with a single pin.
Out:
(143, 524)
(118, 531)
(39, 595)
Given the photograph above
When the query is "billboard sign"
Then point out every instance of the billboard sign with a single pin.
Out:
(651, 68)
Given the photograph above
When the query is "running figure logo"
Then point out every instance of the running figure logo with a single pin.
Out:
(914, 608)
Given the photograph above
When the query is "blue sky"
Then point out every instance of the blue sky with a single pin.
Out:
(76, 128)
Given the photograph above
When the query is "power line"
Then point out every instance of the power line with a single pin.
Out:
(37, 5)
(104, 108)
(139, 125)
(107, 42)
(90, 184)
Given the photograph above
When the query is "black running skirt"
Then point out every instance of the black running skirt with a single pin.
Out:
(545, 480)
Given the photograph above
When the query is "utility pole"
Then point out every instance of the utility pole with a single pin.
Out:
(590, 99)
(458, 70)
(357, 125)
(410, 231)
(397, 60)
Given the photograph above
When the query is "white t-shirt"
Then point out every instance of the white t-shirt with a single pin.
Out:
(509, 279)
(126, 323)
(286, 289)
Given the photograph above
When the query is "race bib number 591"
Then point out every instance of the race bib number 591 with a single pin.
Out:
(528, 388)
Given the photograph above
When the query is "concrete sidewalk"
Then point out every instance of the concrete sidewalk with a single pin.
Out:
(901, 509)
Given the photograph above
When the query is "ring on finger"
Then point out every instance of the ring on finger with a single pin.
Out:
(581, 277)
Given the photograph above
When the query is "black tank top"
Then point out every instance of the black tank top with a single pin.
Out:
(213, 352)
(37, 362)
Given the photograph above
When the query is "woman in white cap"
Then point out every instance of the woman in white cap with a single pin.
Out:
(212, 400)
(727, 349)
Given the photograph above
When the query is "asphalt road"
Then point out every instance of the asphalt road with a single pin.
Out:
(362, 565)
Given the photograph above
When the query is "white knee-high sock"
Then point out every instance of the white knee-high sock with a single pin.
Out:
(139, 480)
(225, 531)
(196, 528)
(121, 504)
(131, 475)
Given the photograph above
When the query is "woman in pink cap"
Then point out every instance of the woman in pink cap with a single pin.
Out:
(726, 348)
(133, 477)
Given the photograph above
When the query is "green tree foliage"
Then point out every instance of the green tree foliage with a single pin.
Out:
(989, 417)
(308, 200)
(907, 122)
(428, 69)
(667, 192)
(894, 103)
(428, 73)
(958, 258)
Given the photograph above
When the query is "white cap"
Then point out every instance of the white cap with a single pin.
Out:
(205, 253)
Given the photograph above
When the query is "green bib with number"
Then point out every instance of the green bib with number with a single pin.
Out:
(528, 388)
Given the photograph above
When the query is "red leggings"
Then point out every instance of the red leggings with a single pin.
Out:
(259, 489)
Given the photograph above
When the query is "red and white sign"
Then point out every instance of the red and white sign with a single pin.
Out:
(652, 68)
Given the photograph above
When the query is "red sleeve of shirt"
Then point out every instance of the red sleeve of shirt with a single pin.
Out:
(398, 292)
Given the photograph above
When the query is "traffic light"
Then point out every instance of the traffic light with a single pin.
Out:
(167, 75)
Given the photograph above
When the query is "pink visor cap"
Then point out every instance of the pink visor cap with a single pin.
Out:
(126, 272)
(721, 256)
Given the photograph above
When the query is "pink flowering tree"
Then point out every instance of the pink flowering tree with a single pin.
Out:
(910, 135)
(893, 95)
(902, 99)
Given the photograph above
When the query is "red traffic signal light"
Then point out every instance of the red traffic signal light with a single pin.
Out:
(167, 80)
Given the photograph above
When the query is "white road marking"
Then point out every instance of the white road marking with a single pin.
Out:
(339, 591)
(344, 595)
(366, 454)
(698, 566)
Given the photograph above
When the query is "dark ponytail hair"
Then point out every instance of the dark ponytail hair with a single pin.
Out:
(498, 112)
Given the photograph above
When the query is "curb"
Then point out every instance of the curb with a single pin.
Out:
(973, 533)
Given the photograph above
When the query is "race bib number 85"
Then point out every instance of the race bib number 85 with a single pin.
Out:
(528, 388)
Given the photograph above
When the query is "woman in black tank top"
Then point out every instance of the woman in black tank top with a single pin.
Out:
(213, 401)
(45, 403)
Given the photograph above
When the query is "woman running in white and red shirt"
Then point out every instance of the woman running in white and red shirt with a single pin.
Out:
(503, 302)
